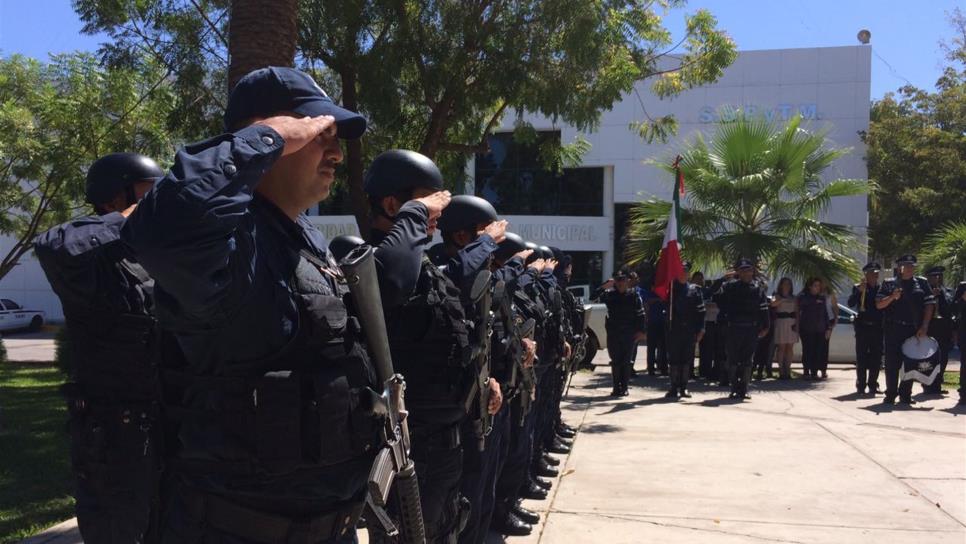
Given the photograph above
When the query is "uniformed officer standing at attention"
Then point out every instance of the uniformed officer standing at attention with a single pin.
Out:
(279, 427)
(113, 391)
(868, 330)
(430, 341)
(959, 307)
(907, 304)
(941, 326)
(625, 326)
(469, 227)
(685, 327)
(744, 304)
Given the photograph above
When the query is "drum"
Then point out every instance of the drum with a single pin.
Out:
(920, 360)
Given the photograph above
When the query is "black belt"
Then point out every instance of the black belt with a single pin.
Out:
(785, 315)
(902, 323)
(270, 528)
(444, 439)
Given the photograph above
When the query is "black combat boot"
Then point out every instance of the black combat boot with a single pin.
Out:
(528, 516)
(542, 468)
(551, 460)
(510, 525)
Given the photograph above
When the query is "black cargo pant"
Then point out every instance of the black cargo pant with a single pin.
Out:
(741, 342)
(517, 464)
(115, 455)
(656, 348)
(813, 351)
(620, 346)
(894, 335)
(680, 351)
(708, 351)
(868, 355)
(765, 354)
(479, 476)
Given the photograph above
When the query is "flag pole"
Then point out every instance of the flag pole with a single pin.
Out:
(677, 187)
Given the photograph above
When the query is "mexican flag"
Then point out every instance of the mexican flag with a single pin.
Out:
(669, 265)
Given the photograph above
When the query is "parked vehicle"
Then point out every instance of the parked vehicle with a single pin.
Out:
(15, 317)
(596, 334)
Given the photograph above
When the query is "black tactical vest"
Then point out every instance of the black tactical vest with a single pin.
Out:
(310, 405)
(429, 342)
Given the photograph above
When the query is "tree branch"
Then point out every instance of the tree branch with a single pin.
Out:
(210, 24)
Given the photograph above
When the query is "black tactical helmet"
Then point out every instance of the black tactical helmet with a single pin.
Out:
(510, 246)
(341, 245)
(400, 171)
(112, 173)
(545, 252)
(536, 252)
(466, 212)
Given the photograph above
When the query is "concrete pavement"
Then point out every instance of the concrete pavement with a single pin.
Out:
(34, 347)
(801, 462)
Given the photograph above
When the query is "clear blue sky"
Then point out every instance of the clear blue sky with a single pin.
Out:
(905, 33)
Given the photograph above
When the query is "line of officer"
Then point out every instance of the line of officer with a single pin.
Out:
(113, 391)
(685, 328)
(430, 341)
(471, 232)
(279, 419)
(942, 326)
(626, 325)
(907, 304)
(743, 305)
(868, 330)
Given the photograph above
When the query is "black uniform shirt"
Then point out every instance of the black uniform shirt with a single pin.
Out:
(687, 309)
(625, 312)
(742, 303)
(916, 295)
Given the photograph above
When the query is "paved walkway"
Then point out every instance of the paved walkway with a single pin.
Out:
(801, 462)
(34, 347)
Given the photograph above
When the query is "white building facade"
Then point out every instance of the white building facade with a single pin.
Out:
(583, 210)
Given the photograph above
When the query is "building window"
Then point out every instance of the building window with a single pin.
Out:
(513, 178)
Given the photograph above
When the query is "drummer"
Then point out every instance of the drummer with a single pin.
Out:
(907, 304)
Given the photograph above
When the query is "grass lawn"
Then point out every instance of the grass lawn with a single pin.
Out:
(35, 482)
(951, 381)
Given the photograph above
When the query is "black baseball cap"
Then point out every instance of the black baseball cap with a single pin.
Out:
(743, 263)
(872, 267)
(936, 271)
(266, 91)
(906, 259)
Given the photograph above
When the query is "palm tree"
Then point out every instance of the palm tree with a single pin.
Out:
(261, 34)
(947, 247)
(755, 190)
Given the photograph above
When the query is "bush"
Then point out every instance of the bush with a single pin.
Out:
(62, 350)
(3, 351)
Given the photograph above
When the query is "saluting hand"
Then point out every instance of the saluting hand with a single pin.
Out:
(435, 203)
(538, 265)
(524, 255)
(551, 264)
(496, 230)
(299, 131)
(531, 354)
(496, 397)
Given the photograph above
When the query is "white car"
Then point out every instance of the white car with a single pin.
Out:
(14, 317)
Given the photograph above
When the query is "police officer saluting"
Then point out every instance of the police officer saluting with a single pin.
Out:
(744, 305)
(907, 304)
(685, 329)
(868, 330)
(429, 337)
(279, 426)
(941, 326)
(113, 391)
(625, 326)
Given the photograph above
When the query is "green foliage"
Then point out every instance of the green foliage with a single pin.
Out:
(435, 76)
(62, 350)
(188, 38)
(947, 247)
(917, 157)
(755, 190)
(35, 479)
(3, 351)
(57, 118)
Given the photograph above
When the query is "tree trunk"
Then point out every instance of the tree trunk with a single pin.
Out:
(357, 197)
(261, 33)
